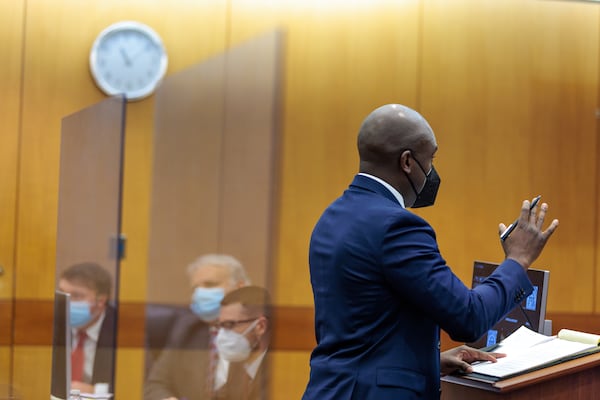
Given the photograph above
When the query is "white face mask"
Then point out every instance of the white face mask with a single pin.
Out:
(233, 346)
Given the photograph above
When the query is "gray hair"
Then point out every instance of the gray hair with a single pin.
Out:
(236, 269)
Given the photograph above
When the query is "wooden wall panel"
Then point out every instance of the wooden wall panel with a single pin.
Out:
(11, 32)
(597, 255)
(506, 85)
(290, 371)
(32, 371)
(214, 170)
(57, 83)
(192, 31)
(510, 88)
(129, 375)
(251, 153)
(341, 61)
(186, 194)
(5, 355)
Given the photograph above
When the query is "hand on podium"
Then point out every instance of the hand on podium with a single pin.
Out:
(461, 357)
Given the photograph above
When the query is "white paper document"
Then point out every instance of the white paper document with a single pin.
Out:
(527, 350)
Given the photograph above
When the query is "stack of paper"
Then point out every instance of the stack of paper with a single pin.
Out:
(527, 350)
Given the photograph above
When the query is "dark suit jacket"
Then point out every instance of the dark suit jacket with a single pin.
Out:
(104, 361)
(181, 369)
(382, 291)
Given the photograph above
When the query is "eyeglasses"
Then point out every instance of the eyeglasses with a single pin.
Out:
(230, 324)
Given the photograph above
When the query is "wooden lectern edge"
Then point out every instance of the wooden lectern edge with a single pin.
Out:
(553, 372)
(541, 375)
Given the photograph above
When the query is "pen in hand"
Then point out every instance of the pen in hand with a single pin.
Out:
(512, 226)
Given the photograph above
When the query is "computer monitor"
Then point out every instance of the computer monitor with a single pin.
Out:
(60, 384)
(531, 312)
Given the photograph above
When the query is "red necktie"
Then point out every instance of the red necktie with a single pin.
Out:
(78, 357)
(213, 360)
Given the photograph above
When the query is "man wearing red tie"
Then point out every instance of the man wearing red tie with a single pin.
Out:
(93, 325)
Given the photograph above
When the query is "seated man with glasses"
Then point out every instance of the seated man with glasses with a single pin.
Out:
(186, 367)
(242, 342)
(243, 333)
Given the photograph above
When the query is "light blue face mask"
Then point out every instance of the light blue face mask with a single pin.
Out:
(80, 313)
(206, 303)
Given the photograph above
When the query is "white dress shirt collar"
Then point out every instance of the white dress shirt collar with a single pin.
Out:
(223, 370)
(389, 187)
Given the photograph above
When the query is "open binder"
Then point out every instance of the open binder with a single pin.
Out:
(528, 351)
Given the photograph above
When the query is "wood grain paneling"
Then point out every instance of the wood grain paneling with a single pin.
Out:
(129, 374)
(573, 380)
(32, 370)
(5, 369)
(293, 326)
(214, 185)
(11, 32)
(6, 322)
(57, 83)
(293, 340)
(597, 255)
(289, 374)
(510, 88)
(89, 199)
(192, 31)
(342, 59)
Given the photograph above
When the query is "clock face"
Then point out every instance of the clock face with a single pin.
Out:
(128, 58)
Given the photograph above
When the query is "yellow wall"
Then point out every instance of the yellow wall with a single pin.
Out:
(510, 88)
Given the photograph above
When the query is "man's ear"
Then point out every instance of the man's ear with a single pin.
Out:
(262, 325)
(405, 161)
(102, 299)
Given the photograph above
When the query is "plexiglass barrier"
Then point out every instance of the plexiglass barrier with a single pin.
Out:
(212, 224)
(88, 228)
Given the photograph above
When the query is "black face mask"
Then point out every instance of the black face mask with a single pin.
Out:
(426, 197)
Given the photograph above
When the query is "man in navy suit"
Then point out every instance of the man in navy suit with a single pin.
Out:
(382, 290)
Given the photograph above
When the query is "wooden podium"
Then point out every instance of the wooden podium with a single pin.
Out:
(577, 379)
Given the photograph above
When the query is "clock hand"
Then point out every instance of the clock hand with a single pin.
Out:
(139, 51)
(125, 57)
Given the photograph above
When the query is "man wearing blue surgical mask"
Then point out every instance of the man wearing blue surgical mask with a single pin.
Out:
(93, 325)
(187, 368)
(211, 277)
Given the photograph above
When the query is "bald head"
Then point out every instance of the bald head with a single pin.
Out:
(389, 130)
(389, 138)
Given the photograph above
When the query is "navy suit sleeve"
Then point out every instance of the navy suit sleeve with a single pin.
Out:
(416, 270)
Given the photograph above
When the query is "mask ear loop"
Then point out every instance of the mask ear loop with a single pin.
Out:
(250, 327)
(414, 188)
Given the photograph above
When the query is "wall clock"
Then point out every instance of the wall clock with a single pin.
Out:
(128, 58)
